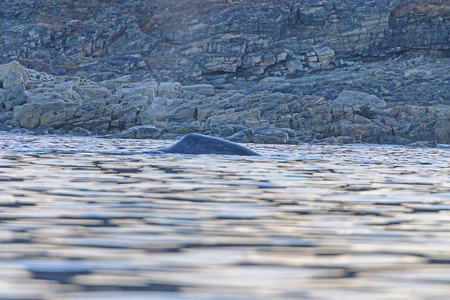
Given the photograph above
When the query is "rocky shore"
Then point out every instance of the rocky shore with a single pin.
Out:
(282, 72)
(323, 108)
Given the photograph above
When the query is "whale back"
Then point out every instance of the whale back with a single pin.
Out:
(200, 144)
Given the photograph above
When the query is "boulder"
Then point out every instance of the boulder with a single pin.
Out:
(353, 102)
(201, 89)
(294, 64)
(184, 127)
(147, 89)
(12, 75)
(437, 130)
(4, 127)
(136, 100)
(269, 135)
(14, 96)
(93, 92)
(169, 90)
(91, 109)
(13, 79)
(325, 55)
(5, 116)
(96, 125)
(43, 130)
(78, 131)
(139, 132)
(417, 73)
(53, 113)
(242, 136)
(28, 115)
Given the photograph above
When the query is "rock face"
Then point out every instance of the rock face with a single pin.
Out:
(199, 40)
(265, 71)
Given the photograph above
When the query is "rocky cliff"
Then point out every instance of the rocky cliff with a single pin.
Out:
(193, 40)
(269, 70)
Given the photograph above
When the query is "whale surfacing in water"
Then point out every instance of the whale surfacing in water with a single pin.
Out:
(193, 143)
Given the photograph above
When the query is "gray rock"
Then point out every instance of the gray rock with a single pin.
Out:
(349, 103)
(78, 131)
(20, 131)
(417, 73)
(169, 90)
(135, 100)
(269, 135)
(13, 79)
(139, 132)
(201, 89)
(28, 115)
(5, 116)
(294, 64)
(43, 130)
(53, 113)
(4, 127)
(437, 130)
(147, 89)
(12, 75)
(242, 136)
(325, 55)
(133, 41)
(93, 92)
(184, 127)
(91, 109)
(14, 96)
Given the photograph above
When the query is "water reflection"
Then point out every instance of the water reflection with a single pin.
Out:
(300, 222)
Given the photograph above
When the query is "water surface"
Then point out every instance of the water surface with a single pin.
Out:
(299, 222)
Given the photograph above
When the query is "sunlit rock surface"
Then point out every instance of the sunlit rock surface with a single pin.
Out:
(356, 106)
(298, 222)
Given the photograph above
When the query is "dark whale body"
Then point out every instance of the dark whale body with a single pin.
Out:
(193, 143)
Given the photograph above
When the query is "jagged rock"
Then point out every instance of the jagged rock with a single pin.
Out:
(4, 127)
(417, 73)
(93, 92)
(28, 115)
(202, 89)
(139, 101)
(5, 116)
(21, 131)
(13, 80)
(147, 90)
(133, 41)
(139, 132)
(53, 113)
(91, 109)
(294, 65)
(437, 130)
(350, 103)
(325, 55)
(169, 90)
(12, 75)
(242, 136)
(78, 131)
(269, 135)
(14, 96)
(184, 127)
(43, 130)
(222, 36)
(96, 125)
(421, 144)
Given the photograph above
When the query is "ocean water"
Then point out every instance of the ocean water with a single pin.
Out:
(90, 218)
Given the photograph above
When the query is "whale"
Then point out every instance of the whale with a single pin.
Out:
(194, 143)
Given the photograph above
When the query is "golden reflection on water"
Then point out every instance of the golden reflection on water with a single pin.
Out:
(299, 222)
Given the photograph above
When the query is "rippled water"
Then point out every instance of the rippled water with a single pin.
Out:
(299, 222)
